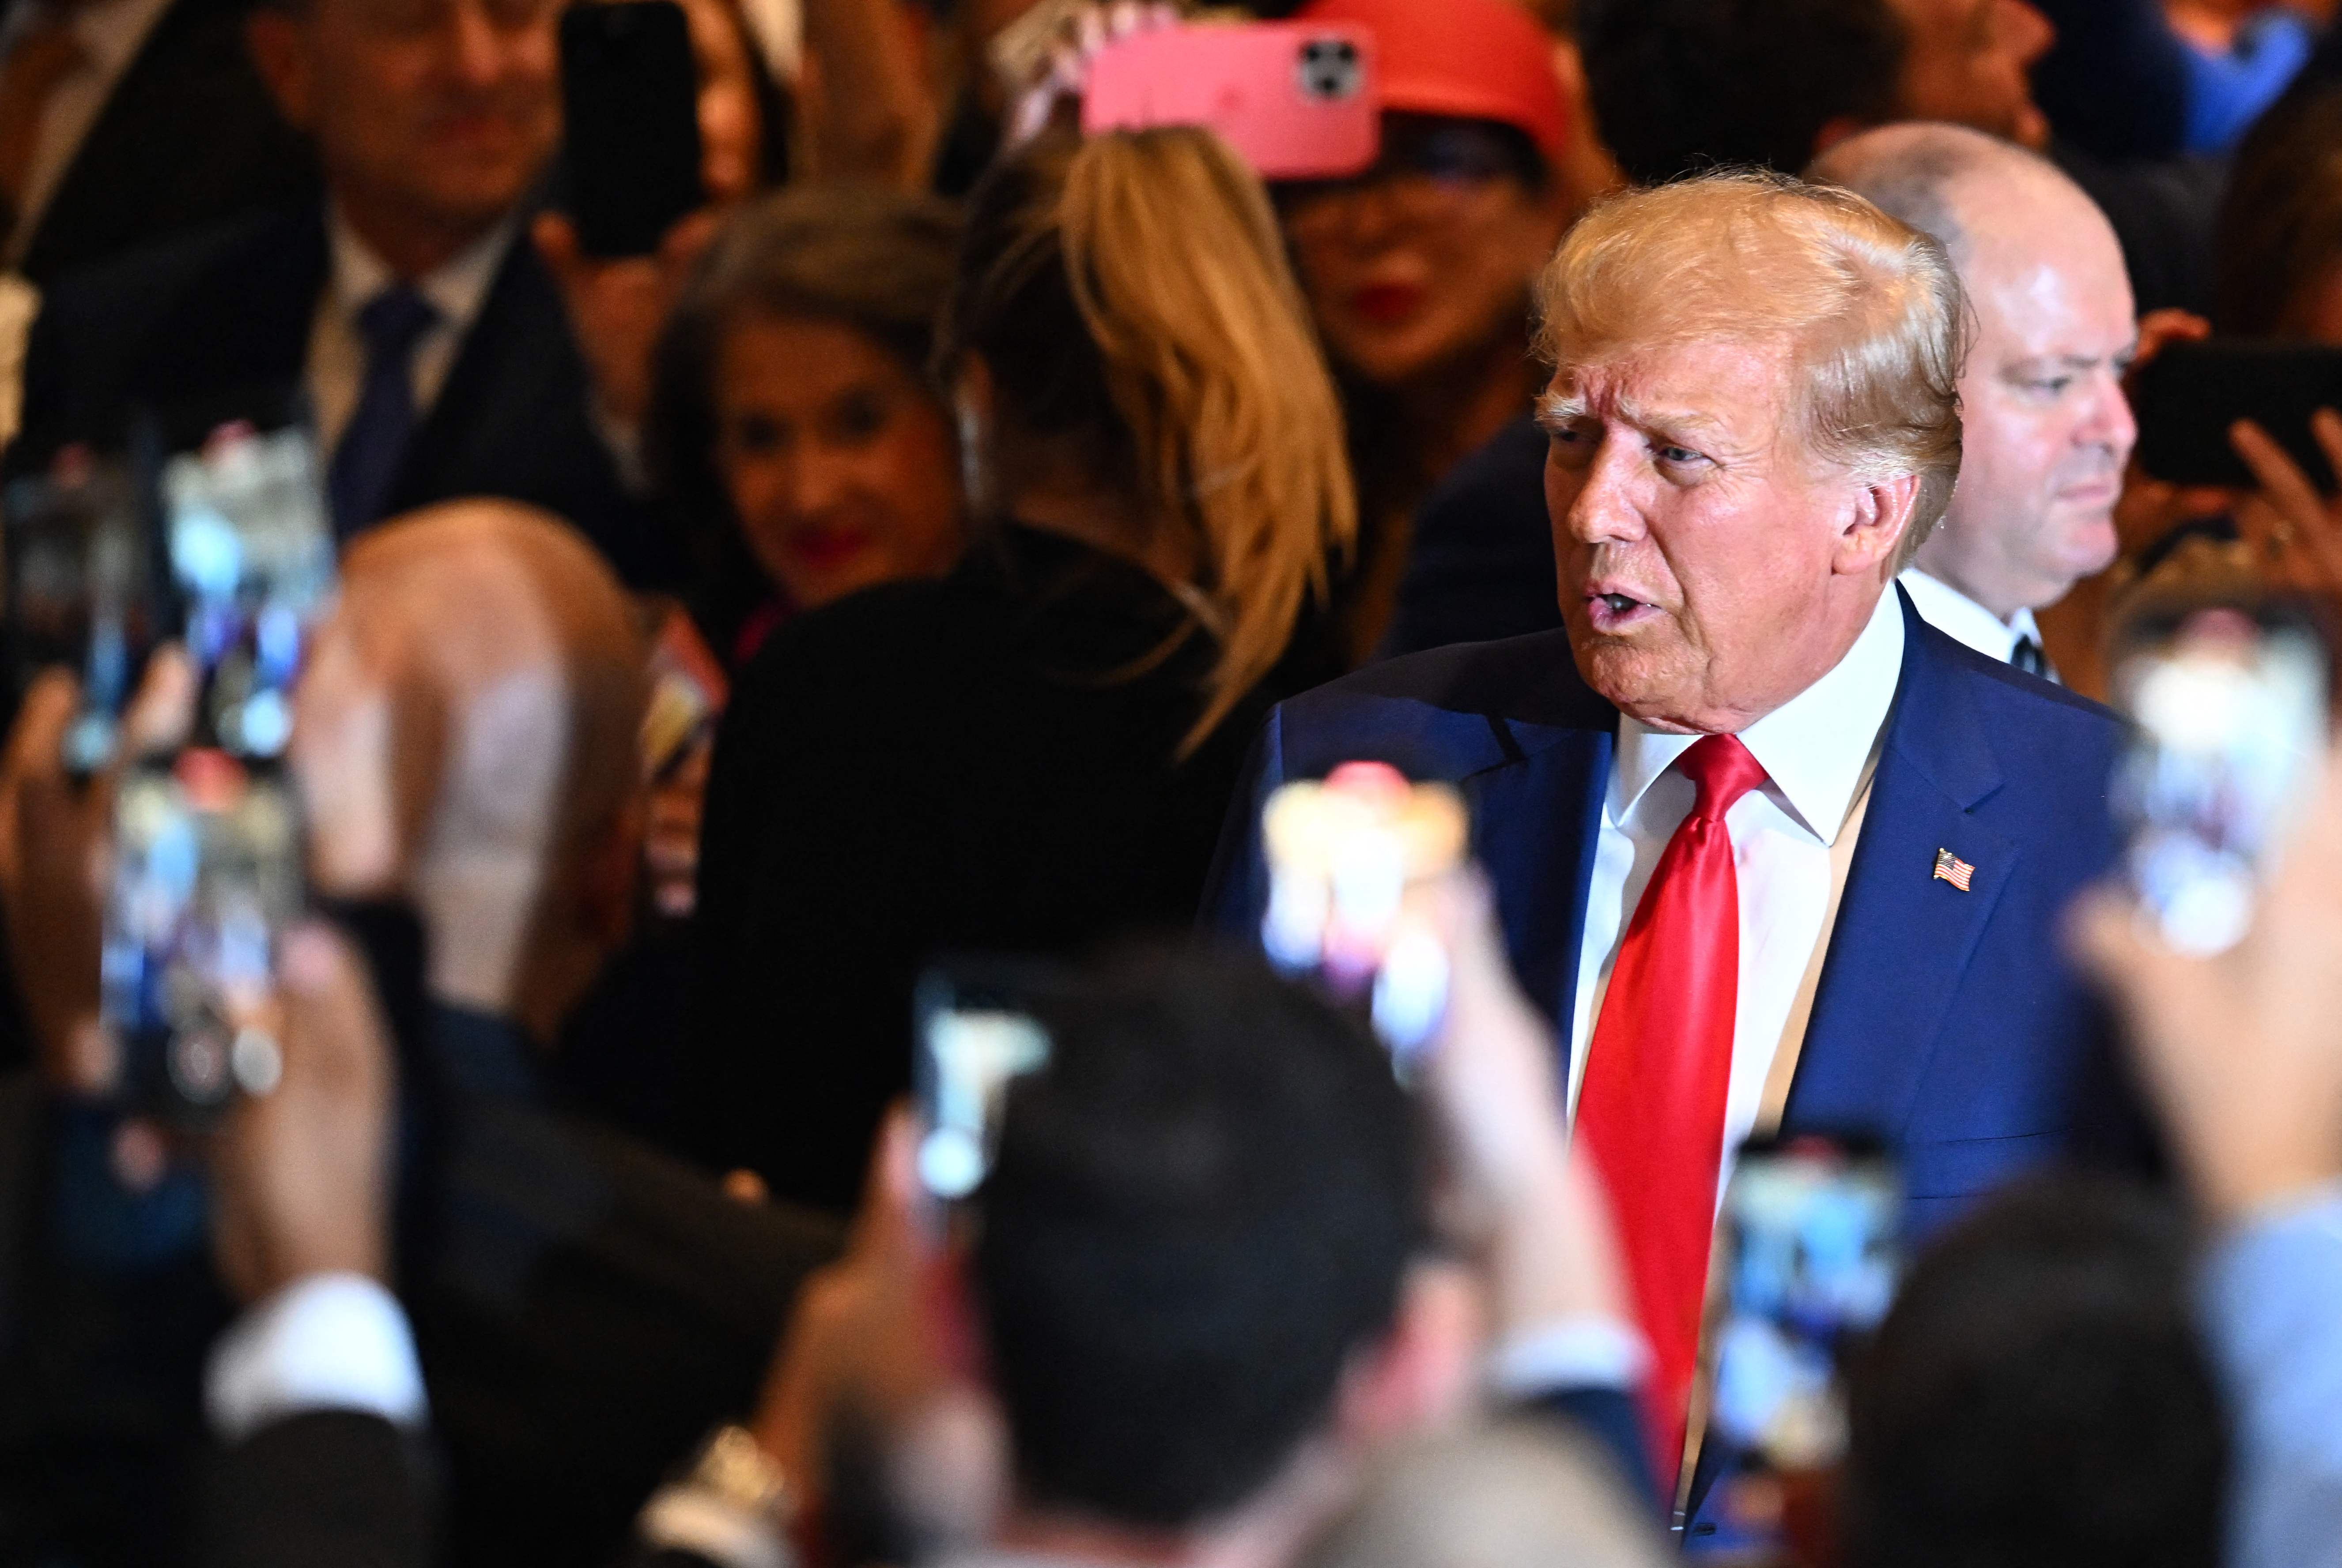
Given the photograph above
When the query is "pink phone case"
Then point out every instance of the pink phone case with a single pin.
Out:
(1296, 100)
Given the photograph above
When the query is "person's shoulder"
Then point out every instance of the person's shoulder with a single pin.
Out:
(1446, 711)
(864, 641)
(2027, 701)
(2052, 745)
(153, 275)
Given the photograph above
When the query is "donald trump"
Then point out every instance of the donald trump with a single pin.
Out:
(1772, 852)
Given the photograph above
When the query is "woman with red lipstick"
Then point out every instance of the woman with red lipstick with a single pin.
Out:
(1035, 754)
(793, 422)
(1418, 271)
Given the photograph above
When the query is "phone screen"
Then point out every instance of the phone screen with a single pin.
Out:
(207, 874)
(2189, 395)
(630, 103)
(1343, 855)
(2229, 710)
(1809, 1245)
(82, 593)
(974, 1034)
(207, 844)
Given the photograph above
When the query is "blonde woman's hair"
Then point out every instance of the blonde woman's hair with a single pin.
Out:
(1871, 306)
(1129, 295)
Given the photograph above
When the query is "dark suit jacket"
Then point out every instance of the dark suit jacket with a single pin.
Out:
(331, 1487)
(187, 139)
(217, 324)
(586, 1308)
(1945, 1023)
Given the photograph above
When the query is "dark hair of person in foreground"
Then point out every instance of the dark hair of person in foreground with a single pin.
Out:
(1201, 1210)
(2039, 1395)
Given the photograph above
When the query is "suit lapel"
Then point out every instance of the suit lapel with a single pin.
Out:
(1904, 937)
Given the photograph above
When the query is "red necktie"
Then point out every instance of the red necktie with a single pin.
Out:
(1651, 1107)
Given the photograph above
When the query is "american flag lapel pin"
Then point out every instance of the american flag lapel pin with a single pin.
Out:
(1951, 868)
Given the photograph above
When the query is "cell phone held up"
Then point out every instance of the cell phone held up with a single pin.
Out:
(1296, 100)
(630, 152)
(2190, 395)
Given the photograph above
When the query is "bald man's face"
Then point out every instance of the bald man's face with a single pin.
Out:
(2047, 430)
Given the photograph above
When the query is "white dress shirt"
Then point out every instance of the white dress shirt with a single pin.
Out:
(326, 1342)
(111, 32)
(1792, 840)
(338, 354)
(1964, 620)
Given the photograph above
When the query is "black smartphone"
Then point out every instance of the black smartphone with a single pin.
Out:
(2191, 393)
(630, 107)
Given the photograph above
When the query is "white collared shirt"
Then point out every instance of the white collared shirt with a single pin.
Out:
(1964, 620)
(457, 289)
(1792, 840)
(111, 32)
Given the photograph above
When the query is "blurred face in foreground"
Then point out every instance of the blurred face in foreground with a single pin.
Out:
(2047, 429)
(837, 459)
(1711, 568)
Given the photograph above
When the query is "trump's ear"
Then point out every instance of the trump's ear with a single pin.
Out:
(1876, 523)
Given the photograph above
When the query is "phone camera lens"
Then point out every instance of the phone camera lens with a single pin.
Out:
(1330, 70)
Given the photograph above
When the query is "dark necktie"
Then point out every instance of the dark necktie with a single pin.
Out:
(2028, 656)
(1651, 1108)
(391, 324)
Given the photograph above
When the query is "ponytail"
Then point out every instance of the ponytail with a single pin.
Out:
(1226, 419)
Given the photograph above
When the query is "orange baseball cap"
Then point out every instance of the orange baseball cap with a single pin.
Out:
(1466, 59)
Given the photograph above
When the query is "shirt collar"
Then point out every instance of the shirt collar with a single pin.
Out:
(1961, 618)
(457, 288)
(1815, 748)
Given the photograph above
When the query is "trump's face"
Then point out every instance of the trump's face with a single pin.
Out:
(1710, 567)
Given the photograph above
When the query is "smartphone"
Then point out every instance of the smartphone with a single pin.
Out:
(1342, 855)
(974, 1033)
(630, 139)
(1297, 101)
(2230, 706)
(207, 874)
(1810, 1251)
(252, 563)
(83, 592)
(2191, 393)
(207, 851)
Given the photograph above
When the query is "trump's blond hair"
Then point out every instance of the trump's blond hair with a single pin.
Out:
(1871, 308)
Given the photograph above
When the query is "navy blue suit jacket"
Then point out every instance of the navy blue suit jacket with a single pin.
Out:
(1947, 1023)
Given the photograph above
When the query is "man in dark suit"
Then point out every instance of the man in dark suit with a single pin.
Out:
(134, 120)
(406, 313)
(1773, 852)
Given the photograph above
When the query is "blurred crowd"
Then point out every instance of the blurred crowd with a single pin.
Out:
(1701, 441)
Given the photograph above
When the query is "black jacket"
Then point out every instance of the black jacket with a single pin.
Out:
(188, 137)
(586, 1308)
(216, 325)
(982, 764)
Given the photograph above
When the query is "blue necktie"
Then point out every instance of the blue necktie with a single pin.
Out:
(392, 323)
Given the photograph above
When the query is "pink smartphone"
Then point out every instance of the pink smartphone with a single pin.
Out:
(1296, 100)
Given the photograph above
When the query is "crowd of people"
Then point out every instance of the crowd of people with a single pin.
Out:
(1700, 435)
